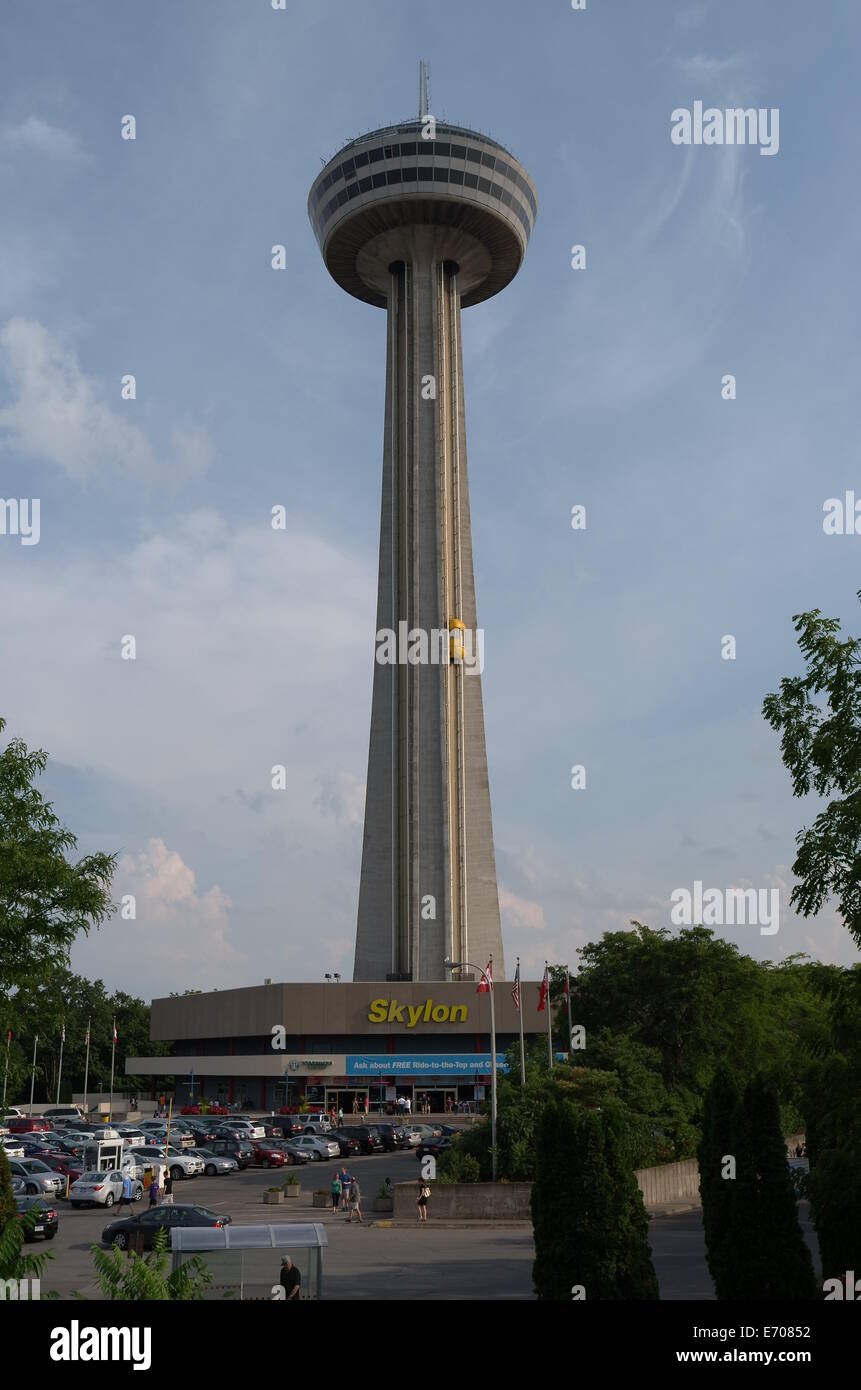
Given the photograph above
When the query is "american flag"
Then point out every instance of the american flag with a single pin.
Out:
(515, 993)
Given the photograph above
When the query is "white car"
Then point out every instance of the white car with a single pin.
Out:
(12, 1147)
(317, 1147)
(130, 1135)
(248, 1129)
(101, 1189)
(179, 1162)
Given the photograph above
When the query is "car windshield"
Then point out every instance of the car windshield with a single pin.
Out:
(93, 1176)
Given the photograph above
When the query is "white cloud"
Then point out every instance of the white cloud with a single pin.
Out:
(519, 914)
(37, 137)
(180, 937)
(59, 414)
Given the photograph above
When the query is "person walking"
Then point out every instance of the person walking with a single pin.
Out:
(356, 1202)
(153, 1191)
(168, 1189)
(340, 1116)
(422, 1201)
(345, 1189)
(355, 1105)
(126, 1194)
(290, 1281)
(336, 1191)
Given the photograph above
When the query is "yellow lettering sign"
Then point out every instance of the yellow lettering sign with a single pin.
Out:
(390, 1011)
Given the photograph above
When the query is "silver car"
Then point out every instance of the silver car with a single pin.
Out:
(214, 1165)
(39, 1179)
(316, 1148)
(13, 1148)
(101, 1189)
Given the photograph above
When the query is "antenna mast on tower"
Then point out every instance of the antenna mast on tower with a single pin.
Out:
(424, 74)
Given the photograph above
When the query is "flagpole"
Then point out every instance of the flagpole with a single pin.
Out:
(33, 1072)
(113, 1050)
(60, 1069)
(568, 997)
(549, 1017)
(87, 1074)
(6, 1072)
(492, 1074)
(522, 1048)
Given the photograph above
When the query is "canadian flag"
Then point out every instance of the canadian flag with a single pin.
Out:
(486, 982)
(87, 1038)
(116, 1039)
(542, 1001)
(63, 1034)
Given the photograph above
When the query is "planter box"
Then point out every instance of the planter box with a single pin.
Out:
(293, 1191)
(323, 1200)
(384, 1204)
(273, 1199)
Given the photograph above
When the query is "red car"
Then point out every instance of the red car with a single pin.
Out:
(27, 1124)
(265, 1157)
(65, 1164)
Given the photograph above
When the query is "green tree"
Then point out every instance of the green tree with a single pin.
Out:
(721, 1124)
(143, 1278)
(592, 1232)
(763, 1255)
(45, 898)
(14, 1264)
(818, 716)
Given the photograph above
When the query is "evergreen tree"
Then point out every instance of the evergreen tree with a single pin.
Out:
(835, 1191)
(721, 1122)
(763, 1255)
(592, 1232)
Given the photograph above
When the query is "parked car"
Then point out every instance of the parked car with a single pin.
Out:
(426, 1131)
(389, 1136)
(233, 1148)
(39, 1179)
(27, 1124)
(64, 1112)
(434, 1146)
(182, 1163)
(346, 1144)
(101, 1189)
(292, 1155)
(120, 1233)
(44, 1220)
(288, 1125)
(317, 1146)
(203, 1134)
(370, 1142)
(266, 1155)
(12, 1147)
(245, 1129)
(215, 1165)
(18, 1187)
(12, 1113)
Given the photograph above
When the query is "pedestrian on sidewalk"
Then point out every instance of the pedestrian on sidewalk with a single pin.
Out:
(340, 1116)
(336, 1191)
(356, 1202)
(422, 1201)
(345, 1189)
(153, 1191)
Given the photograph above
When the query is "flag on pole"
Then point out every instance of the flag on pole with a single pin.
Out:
(63, 1034)
(116, 1039)
(567, 995)
(87, 1038)
(486, 981)
(542, 1001)
(9, 1036)
(515, 993)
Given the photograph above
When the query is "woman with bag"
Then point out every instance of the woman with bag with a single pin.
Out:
(422, 1201)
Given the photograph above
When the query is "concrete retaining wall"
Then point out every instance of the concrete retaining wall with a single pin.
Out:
(467, 1201)
(669, 1182)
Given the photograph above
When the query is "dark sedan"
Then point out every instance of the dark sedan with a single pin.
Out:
(348, 1146)
(292, 1154)
(393, 1136)
(435, 1146)
(233, 1148)
(149, 1223)
(370, 1142)
(41, 1222)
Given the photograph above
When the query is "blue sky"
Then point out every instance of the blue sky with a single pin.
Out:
(254, 388)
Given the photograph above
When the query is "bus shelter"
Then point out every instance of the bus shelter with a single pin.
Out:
(245, 1261)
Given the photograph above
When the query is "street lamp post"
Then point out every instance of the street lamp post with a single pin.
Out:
(459, 965)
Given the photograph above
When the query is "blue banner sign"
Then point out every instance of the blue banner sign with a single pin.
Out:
(426, 1064)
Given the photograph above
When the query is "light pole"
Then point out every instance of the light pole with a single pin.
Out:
(488, 979)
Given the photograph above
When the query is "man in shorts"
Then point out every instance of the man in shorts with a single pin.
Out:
(356, 1202)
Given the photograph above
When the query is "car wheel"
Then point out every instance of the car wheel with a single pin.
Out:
(49, 1235)
(176, 1173)
(76, 1204)
(109, 1200)
(210, 1170)
(317, 1157)
(120, 1240)
(137, 1194)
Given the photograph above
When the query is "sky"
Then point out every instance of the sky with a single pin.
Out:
(599, 387)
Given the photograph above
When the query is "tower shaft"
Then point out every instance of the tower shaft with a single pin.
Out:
(428, 885)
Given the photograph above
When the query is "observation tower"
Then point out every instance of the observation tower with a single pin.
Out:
(423, 219)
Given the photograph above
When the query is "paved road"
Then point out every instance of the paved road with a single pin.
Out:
(386, 1263)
